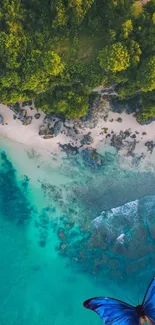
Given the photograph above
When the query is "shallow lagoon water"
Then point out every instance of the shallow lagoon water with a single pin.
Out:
(53, 255)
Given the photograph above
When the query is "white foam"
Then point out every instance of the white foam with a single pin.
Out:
(117, 221)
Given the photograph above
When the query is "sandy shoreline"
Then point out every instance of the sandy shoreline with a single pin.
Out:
(14, 130)
(27, 135)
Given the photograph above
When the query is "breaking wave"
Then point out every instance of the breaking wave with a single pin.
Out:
(129, 219)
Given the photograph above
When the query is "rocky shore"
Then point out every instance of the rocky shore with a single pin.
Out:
(108, 122)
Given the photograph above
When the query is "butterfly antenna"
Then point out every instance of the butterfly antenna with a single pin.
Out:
(139, 294)
(130, 300)
(138, 298)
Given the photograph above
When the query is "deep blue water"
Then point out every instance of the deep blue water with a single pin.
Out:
(59, 229)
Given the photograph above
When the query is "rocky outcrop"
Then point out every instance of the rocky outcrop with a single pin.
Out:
(52, 129)
(46, 130)
(91, 157)
(69, 149)
(87, 139)
(47, 136)
(57, 127)
(37, 116)
(50, 119)
(150, 146)
(54, 125)
(21, 114)
(1, 120)
(119, 119)
(27, 120)
(146, 122)
(124, 140)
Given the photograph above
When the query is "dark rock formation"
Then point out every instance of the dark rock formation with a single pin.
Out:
(37, 116)
(146, 122)
(58, 127)
(120, 141)
(133, 136)
(48, 136)
(1, 119)
(91, 157)
(119, 119)
(45, 130)
(150, 146)
(27, 120)
(87, 139)
(69, 149)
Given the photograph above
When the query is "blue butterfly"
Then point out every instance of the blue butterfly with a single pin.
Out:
(116, 312)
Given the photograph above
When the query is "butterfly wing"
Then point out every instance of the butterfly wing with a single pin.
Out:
(113, 312)
(149, 301)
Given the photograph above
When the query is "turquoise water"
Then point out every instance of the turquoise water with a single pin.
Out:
(59, 224)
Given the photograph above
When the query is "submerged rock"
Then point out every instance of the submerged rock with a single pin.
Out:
(120, 239)
(69, 149)
(91, 157)
(87, 139)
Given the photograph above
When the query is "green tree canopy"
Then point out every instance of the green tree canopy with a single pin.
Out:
(114, 58)
(127, 28)
(56, 51)
(146, 75)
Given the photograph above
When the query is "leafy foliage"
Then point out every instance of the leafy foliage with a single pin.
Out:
(146, 75)
(114, 58)
(148, 106)
(56, 51)
(127, 28)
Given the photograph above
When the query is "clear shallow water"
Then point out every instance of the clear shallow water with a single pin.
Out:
(53, 255)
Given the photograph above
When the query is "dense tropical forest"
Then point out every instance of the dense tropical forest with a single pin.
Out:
(56, 51)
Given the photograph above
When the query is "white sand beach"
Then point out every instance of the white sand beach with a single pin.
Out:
(14, 130)
(27, 135)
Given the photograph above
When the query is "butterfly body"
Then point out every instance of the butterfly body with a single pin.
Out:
(117, 312)
(140, 311)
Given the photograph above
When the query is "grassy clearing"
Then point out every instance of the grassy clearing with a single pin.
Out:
(88, 47)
